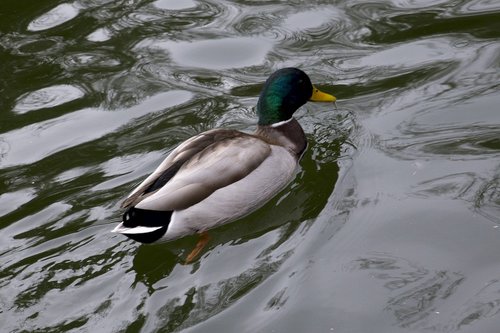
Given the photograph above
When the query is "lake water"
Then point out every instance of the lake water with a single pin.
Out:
(391, 225)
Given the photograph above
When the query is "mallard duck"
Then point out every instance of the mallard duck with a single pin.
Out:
(221, 175)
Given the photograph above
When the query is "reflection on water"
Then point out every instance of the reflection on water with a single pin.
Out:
(47, 134)
(174, 5)
(419, 297)
(484, 304)
(391, 224)
(56, 16)
(481, 194)
(47, 98)
(100, 35)
(415, 292)
(214, 54)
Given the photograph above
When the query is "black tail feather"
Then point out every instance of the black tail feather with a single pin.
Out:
(135, 217)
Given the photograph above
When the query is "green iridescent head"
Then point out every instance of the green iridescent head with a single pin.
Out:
(284, 92)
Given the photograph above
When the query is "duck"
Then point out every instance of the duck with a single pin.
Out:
(221, 175)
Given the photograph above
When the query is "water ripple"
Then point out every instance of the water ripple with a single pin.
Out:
(46, 134)
(47, 98)
(12, 200)
(100, 35)
(457, 143)
(308, 21)
(484, 304)
(479, 6)
(409, 212)
(20, 44)
(56, 16)
(97, 61)
(173, 4)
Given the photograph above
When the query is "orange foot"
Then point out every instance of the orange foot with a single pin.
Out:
(202, 242)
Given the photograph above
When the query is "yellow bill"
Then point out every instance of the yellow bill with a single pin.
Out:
(319, 96)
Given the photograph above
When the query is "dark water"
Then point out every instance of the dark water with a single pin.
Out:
(390, 226)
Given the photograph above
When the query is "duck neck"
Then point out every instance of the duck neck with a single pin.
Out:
(288, 134)
(270, 109)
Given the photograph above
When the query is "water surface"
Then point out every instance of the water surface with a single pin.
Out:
(391, 224)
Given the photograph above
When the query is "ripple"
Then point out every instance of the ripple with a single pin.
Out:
(215, 54)
(484, 304)
(451, 185)
(31, 45)
(39, 46)
(13, 200)
(37, 141)
(308, 20)
(47, 98)
(407, 55)
(480, 6)
(56, 16)
(465, 131)
(298, 30)
(174, 4)
(480, 191)
(415, 4)
(153, 18)
(487, 198)
(127, 169)
(415, 291)
(97, 60)
(71, 174)
(100, 35)
(413, 305)
(30, 225)
(456, 143)
(389, 26)
(256, 23)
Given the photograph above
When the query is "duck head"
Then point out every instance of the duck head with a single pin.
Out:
(284, 92)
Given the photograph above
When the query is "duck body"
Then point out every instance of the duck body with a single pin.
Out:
(222, 175)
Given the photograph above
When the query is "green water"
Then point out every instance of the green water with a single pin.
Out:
(391, 225)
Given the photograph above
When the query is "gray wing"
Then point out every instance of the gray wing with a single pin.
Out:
(197, 168)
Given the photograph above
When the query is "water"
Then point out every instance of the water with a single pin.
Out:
(390, 226)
